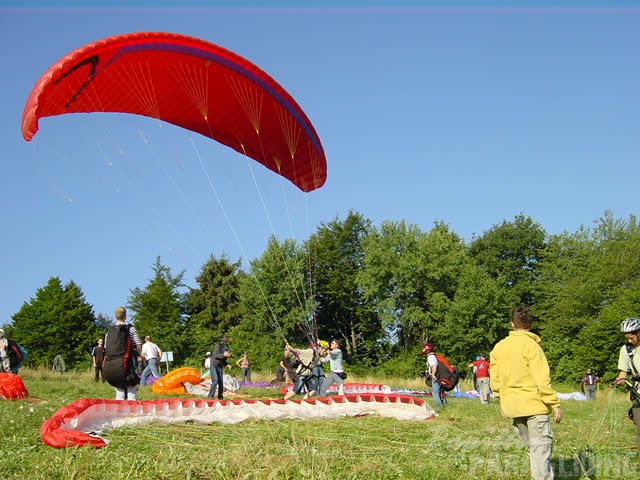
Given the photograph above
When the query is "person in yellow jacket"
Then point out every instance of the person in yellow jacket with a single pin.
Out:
(520, 380)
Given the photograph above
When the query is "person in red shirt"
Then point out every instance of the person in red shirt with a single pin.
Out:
(481, 372)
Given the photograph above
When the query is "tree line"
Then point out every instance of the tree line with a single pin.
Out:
(382, 290)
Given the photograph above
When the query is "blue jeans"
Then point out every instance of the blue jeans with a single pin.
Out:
(435, 393)
(308, 383)
(150, 369)
(216, 382)
(318, 376)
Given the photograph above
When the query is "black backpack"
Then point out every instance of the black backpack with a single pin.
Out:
(119, 365)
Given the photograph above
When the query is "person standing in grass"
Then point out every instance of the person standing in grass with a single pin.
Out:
(520, 379)
(122, 345)
(431, 374)
(152, 355)
(219, 356)
(337, 375)
(588, 384)
(97, 354)
(629, 362)
(481, 372)
(245, 367)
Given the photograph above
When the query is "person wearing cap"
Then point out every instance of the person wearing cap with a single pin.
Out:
(588, 386)
(219, 356)
(4, 353)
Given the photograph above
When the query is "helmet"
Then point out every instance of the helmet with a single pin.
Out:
(323, 344)
(478, 357)
(427, 348)
(630, 325)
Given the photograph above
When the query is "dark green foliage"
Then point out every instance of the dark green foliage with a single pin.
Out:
(479, 312)
(276, 302)
(214, 307)
(588, 284)
(57, 321)
(342, 312)
(157, 310)
(509, 253)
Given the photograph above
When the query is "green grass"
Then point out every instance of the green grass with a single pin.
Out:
(467, 440)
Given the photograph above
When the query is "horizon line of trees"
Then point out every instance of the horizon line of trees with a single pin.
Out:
(383, 291)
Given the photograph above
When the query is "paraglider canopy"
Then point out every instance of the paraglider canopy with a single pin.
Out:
(12, 387)
(190, 83)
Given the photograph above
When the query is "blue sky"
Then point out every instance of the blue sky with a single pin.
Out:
(469, 116)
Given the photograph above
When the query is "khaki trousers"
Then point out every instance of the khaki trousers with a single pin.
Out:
(535, 432)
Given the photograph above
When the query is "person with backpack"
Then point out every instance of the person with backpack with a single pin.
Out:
(629, 363)
(122, 346)
(481, 373)
(440, 375)
(521, 381)
(431, 373)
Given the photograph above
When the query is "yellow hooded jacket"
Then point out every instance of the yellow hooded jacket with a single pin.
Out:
(520, 376)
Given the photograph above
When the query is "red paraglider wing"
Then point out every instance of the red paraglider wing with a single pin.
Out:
(12, 387)
(81, 422)
(190, 83)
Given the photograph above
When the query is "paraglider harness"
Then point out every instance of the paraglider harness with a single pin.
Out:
(310, 380)
(118, 366)
(633, 385)
(448, 375)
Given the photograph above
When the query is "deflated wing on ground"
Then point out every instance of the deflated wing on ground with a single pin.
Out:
(173, 382)
(83, 421)
(190, 83)
(12, 387)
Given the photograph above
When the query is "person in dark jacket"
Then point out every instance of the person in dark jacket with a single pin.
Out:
(219, 356)
(98, 357)
(588, 384)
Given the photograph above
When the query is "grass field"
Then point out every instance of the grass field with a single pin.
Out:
(467, 440)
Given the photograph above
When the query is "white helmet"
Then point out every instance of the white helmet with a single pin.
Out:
(630, 325)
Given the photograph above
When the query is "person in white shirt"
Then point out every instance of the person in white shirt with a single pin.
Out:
(152, 354)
